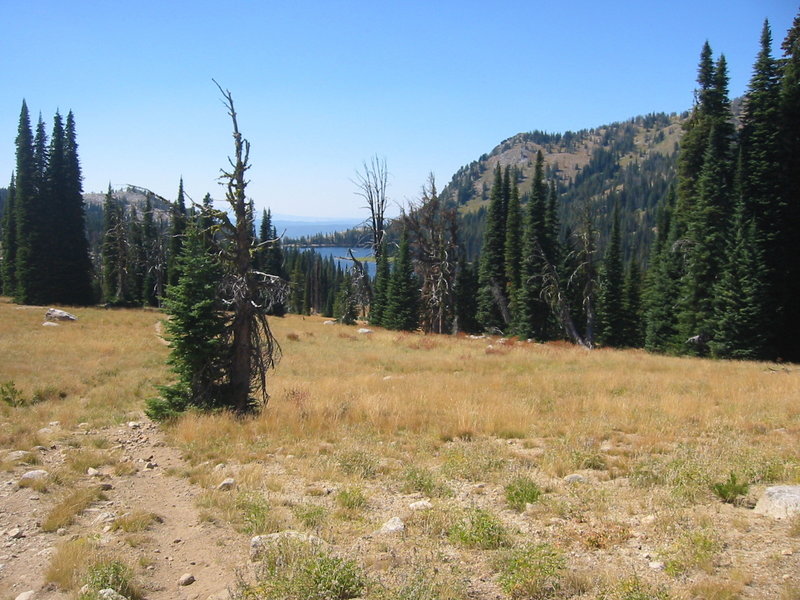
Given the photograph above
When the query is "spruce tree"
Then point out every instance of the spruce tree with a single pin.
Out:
(10, 242)
(610, 301)
(402, 298)
(633, 334)
(465, 297)
(492, 299)
(380, 288)
(76, 260)
(177, 228)
(150, 244)
(788, 237)
(195, 332)
(115, 252)
(28, 274)
(513, 243)
(532, 311)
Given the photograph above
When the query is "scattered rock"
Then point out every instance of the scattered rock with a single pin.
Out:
(220, 595)
(186, 579)
(329, 323)
(150, 465)
(109, 594)
(575, 478)
(260, 543)
(364, 331)
(49, 324)
(393, 525)
(29, 595)
(227, 484)
(18, 456)
(420, 505)
(53, 314)
(134, 425)
(106, 486)
(656, 565)
(92, 472)
(34, 475)
(779, 502)
(15, 533)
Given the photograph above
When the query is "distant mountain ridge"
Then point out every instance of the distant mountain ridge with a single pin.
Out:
(631, 163)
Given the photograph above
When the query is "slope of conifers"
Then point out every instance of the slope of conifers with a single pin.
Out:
(630, 163)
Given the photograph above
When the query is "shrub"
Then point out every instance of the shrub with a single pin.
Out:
(479, 529)
(418, 479)
(731, 490)
(111, 574)
(351, 499)
(533, 571)
(521, 491)
(358, 462)
(9, 394)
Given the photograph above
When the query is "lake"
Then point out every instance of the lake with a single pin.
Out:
(342, 258)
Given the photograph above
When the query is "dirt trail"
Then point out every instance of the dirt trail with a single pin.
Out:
(181, 543)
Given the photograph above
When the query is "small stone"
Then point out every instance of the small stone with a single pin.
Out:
(393, 525)
(186, 579)
(29, 595)
(83, 425)
(34, 475)
(420, 505)
(150, 465)
(648, 520)
(15, 533)
(329, 323)
(134, 425)
(45, 431)
(92, 472)
(54, 423)
(17, 456)
(656, 565)
(106, 486)
(227, 484)
(220, 467)
(787, 551)
(49, 324)
(109, 594)
(365, 331)
(575, 478)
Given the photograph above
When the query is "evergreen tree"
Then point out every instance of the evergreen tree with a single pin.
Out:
(270, 258)
(466, 291)
(740, 320)
(532, 312)
(380, 288)
(115, 252)
(610, 301)
(10, 242)
(29, 276)
(788, 238)
(513, 243)
(492, 300)
(137, 259)
(151, 282)
(76, 260)
(345, 308)
(177, 228)
(633, 335)
(195, 331)
(402, 297)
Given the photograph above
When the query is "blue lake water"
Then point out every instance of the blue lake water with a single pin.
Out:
(342, 257)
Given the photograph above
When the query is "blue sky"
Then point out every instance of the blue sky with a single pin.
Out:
(322, 86)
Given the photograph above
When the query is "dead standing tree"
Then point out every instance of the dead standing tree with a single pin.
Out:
(433, 229)
(372, 184)
(253, 348)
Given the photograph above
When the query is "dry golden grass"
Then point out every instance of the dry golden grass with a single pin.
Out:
(398, 415)
(69, 507)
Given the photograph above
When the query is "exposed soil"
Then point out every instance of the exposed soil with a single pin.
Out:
(180, 543)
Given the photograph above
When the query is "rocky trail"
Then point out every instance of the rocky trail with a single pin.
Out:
(178, 543)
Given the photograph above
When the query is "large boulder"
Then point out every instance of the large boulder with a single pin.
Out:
(780, 501)
(53, 314)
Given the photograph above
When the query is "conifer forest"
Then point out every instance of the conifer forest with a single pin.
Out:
(677, 233)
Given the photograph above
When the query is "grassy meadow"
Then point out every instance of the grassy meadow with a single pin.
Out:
(360, 426)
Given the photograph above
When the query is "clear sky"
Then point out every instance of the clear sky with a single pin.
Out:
(322, 86)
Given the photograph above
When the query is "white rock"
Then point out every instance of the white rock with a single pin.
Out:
(656, 565)
(260, 543)
(134, 424)
(17, 455)
(34, 475)
(49, 324)
(364, 331)
(186, 579)
(109, 594)
(648, 520)
(779, 502)
(329, 323)
(92, 472)
(227, 484)
(393, 525)
(575, 478)
(420, 505)
(53, 314)
(29, 595)
(15, 533)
